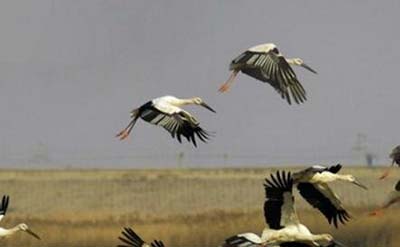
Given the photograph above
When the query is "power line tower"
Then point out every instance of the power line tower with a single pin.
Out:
(361, 149)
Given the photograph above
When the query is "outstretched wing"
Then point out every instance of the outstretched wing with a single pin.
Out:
(131, 239)
(327, 202)
(4, 206)
(279, 208)
(243, 240)
(178, 124)
(272, 68)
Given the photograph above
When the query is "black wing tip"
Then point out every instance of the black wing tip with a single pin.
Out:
(4, 204)
(157, 243)
(202, 134)
(340, 217)
(282, 180)
(130, 237)
(335, 168)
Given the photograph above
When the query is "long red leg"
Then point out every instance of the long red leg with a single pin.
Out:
(379, 211)
(125, 132)
(225, 87)
(387, 172)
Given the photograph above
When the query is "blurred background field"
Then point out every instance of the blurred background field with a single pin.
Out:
(183, 207)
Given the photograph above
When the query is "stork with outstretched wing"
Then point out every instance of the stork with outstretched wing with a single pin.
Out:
(265, 63)
(283, 226)
(312, 184)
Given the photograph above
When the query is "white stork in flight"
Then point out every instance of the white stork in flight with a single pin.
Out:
(312, 184)
(394, 197)
(395, 156)
(283, 226)
(20, 227)
(131, 239)
(265, 63)
(166, 112)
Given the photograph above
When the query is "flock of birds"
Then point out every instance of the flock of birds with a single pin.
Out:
(263, 62)
(283, 228)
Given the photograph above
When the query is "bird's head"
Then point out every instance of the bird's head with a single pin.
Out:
(24, 227)
(353, 180)
(299, 62)
(199, 101)
(327, 237)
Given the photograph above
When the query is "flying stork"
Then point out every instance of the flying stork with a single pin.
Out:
(393, 197)
(20, 227)
(131, 239)
(166, 112)
(265, 63)
(395, 156)
(283, 226)
(312, 184)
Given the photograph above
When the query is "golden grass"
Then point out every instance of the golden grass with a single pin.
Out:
(181, 207)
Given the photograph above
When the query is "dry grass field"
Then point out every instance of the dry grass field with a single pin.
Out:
(185, 208)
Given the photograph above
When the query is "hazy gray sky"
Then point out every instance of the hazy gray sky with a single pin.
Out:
(70, 72)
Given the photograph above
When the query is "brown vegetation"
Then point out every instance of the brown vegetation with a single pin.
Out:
(182, 207)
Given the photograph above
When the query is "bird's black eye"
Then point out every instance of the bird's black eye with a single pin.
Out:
(275, 50)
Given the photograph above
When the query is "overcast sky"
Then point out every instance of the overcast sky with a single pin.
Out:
(70, 72)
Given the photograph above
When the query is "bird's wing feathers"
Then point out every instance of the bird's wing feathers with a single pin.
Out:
(335, 168)
(274, 69)
(131, 239)
(178, 124)
(327, 202)
(279, 208)
(243, 240)
(4, 206)
(157, 243)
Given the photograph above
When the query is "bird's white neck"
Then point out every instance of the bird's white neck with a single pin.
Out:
(7, 232)
(292, 61)
(344, 177)
(182, 102)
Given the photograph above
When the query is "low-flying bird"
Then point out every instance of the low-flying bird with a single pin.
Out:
(312, 184)
(20, 227)
(131, 239)
(393, 197)
(283, 226)
(166, 112)
(265, 63)
(395, 156)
